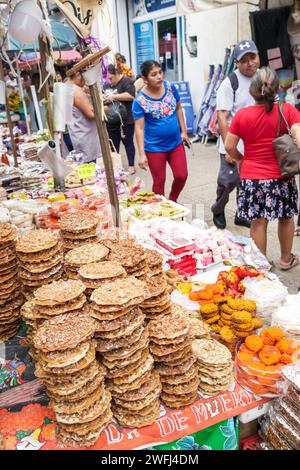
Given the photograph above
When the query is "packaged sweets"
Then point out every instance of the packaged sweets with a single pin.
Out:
(273, 437)
(285, 428)
(286, 407)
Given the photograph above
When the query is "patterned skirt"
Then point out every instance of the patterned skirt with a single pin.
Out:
(268, 199)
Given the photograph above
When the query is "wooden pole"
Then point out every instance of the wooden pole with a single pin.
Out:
(106, 155)
(9, 122)
(91, 59)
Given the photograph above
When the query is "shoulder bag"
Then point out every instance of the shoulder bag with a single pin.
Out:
(287, 152)
(116, 115)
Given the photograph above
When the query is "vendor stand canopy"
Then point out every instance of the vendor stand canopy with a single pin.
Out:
(186, 7)
(64, 38)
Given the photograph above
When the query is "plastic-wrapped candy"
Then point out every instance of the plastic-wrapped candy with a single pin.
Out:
(272, 436)
(285, 428)
(289, 410)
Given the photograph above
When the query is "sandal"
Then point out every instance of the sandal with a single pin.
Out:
(297, 232)
(131, 170)
(294, 261)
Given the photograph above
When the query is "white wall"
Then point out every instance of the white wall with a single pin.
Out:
(215, 29)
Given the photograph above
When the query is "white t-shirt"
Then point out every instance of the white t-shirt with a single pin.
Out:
(225, 101)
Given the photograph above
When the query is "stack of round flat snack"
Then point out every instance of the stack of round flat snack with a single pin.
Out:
(215, 365)
(171, 347)
(40, 259)
(91, 253)
(130, 255)
(51, 300)
(155, 262)
(32, 321)
(93, 275)
(157, 301)
(198, 328)
(78, 229)
(10, 297)
(122, 339)
(73, 378)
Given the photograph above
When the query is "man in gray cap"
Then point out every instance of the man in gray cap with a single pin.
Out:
(232, 95)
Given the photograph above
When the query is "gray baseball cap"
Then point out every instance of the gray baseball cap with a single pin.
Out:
(244, 47)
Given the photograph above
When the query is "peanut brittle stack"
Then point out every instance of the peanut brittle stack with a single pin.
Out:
(155, 262)
(73, 378)
(10, 297)
(78, 257)
(157, 299)
(93, 275)
(122, 340)
(129, 254)
(51, 300)
(78, 229)
(171, 346)
(215, 365)
(40, 259)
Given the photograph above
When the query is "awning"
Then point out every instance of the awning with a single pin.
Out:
(64, 38)
(32, 58)
(186, 7)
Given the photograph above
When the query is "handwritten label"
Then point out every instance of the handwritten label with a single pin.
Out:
(87, 170)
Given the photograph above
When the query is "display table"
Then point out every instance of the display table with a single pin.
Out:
(27, 422)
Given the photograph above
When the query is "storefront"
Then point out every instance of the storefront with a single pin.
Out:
(155, 32)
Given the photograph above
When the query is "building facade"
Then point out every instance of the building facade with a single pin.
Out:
(184, 45)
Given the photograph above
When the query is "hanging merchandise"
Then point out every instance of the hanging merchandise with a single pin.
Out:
(81, 13)
(269, 32)
(25, 22)
(205, 123)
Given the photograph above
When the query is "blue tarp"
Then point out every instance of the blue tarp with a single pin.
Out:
(64, 35)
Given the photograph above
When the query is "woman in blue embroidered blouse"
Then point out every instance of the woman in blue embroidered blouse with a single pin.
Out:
(160, 130)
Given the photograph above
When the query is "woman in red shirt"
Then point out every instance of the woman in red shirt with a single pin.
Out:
(264, 194)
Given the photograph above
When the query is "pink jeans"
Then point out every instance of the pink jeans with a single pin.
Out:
(158, 162)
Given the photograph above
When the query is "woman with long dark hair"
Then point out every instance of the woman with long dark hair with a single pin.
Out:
(264, 194)
(160, 130)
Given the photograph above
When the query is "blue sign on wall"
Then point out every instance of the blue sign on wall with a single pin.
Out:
(142, 7)
(183, 89)
(144, 42)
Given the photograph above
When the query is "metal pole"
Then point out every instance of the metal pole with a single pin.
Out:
(9, 123)
(106, 155)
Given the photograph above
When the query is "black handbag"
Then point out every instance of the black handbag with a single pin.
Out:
(287, 152)
(116, 114)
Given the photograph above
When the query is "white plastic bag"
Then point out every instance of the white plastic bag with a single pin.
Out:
(268, 295)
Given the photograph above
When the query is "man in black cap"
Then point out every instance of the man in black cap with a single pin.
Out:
(232, 95)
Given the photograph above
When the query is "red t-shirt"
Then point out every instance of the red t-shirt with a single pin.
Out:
(257, 129)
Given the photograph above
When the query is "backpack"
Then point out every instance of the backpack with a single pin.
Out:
(234, 82)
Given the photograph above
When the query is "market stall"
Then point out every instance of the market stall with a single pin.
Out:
(155, 336)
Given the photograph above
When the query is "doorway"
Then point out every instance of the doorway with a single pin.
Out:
(168, 48)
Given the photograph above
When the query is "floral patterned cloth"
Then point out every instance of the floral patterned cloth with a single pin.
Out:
(268, 199)
(162, 130)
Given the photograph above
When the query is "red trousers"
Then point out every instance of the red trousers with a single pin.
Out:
(158, 162)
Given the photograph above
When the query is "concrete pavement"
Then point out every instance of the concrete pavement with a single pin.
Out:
(199, 194)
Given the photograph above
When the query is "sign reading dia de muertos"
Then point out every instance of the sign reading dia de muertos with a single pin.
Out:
(81, 13)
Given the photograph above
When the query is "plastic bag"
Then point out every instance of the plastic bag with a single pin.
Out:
(268, 295)
(287, 317)
(285, 428)
(272, 436)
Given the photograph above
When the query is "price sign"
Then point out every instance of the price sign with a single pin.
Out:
(87, 170)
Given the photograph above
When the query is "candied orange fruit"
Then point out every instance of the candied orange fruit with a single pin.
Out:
(269, 355)
(254, 343)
